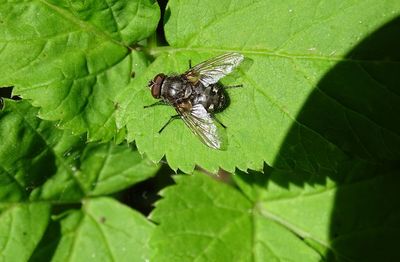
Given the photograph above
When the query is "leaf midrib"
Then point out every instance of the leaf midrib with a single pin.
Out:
(290, 226)
(157, 51)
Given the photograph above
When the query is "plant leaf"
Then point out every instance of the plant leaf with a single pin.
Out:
(71, 58)
(45, 169)
(353, 220)
(268, 220)
(40, 162)
(290, 96)
(21, 228)
(103, 230)
(224, 226)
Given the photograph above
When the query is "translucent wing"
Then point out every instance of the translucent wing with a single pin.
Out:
(211, 71)
(202, 125)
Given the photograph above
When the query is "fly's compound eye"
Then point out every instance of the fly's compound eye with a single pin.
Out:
(155, 85)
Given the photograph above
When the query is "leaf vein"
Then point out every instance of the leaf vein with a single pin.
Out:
(82, 24)
(60, 159)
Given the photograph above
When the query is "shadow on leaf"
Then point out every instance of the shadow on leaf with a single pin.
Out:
(348, 133)
(362, 121)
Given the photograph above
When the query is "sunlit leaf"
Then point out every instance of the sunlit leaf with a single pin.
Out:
(309, 97)
(72, 57)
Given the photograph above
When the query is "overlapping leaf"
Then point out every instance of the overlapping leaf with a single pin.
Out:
(43, 167)
(224, 225)
(103, 230)
(292, 46)
(42, 162)
(201, 219)
(21, 228)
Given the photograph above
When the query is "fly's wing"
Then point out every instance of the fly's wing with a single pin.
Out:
(211, 71)
(202, 125)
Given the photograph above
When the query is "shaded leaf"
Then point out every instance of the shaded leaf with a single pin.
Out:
(353, 220)
(40, 162)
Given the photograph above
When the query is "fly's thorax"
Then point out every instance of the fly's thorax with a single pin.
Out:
(175, 89)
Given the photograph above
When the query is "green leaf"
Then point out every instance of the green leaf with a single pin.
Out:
(272, 219)
(109, 168)
(71, 58)
(44, 171)
(40, 162)
(200, 219)
(310, 95)
(103, 230)
(353, 220)
(21, 228)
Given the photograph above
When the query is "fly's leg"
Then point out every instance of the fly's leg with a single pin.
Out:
(219, 122)
(158, 103)
(169, 121)
(190, 63)
(235, 86)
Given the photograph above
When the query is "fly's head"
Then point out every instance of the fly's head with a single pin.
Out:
(155, 85)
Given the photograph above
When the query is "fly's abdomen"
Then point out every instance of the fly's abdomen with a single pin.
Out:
(212, 98)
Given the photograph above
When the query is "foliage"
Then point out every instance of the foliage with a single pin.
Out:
(316, 119)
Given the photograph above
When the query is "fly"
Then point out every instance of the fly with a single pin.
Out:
(196, 96)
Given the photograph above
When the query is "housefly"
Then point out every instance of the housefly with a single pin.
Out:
(196, 95)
